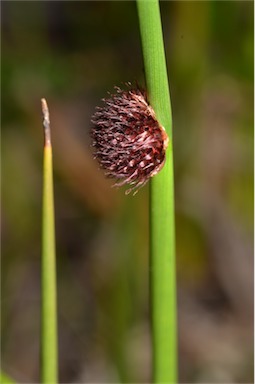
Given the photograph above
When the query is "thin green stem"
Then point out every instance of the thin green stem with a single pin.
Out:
(162, 227)
(49, 366)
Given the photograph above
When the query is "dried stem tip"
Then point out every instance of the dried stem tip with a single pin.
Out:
(46, 123)
(128, 141)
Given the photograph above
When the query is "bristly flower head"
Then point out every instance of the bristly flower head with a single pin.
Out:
(128, 141)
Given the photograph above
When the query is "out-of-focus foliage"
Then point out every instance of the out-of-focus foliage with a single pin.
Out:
(72, 53)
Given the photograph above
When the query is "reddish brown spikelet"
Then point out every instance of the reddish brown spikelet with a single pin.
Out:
(128, 141)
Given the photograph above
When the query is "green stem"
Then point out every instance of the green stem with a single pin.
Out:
(162, 228)
(49, 312)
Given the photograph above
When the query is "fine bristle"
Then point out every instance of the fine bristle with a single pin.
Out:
(128, 141)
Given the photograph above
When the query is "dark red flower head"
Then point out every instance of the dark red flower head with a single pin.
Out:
(128, 141)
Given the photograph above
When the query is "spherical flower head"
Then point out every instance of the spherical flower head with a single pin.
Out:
(128, 141)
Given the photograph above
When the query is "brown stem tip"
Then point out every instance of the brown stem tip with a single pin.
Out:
(128, 141)
(46, 123)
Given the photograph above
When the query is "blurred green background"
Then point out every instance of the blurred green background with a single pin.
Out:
(72, 53)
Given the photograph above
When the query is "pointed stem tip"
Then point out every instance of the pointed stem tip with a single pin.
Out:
(46, 123)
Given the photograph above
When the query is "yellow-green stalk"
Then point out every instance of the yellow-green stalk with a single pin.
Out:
(49, 352)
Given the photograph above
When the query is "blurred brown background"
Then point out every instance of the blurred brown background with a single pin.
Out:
(72, 53)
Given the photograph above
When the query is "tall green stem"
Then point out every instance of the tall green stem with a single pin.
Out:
(162, 228)
(49, 312)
